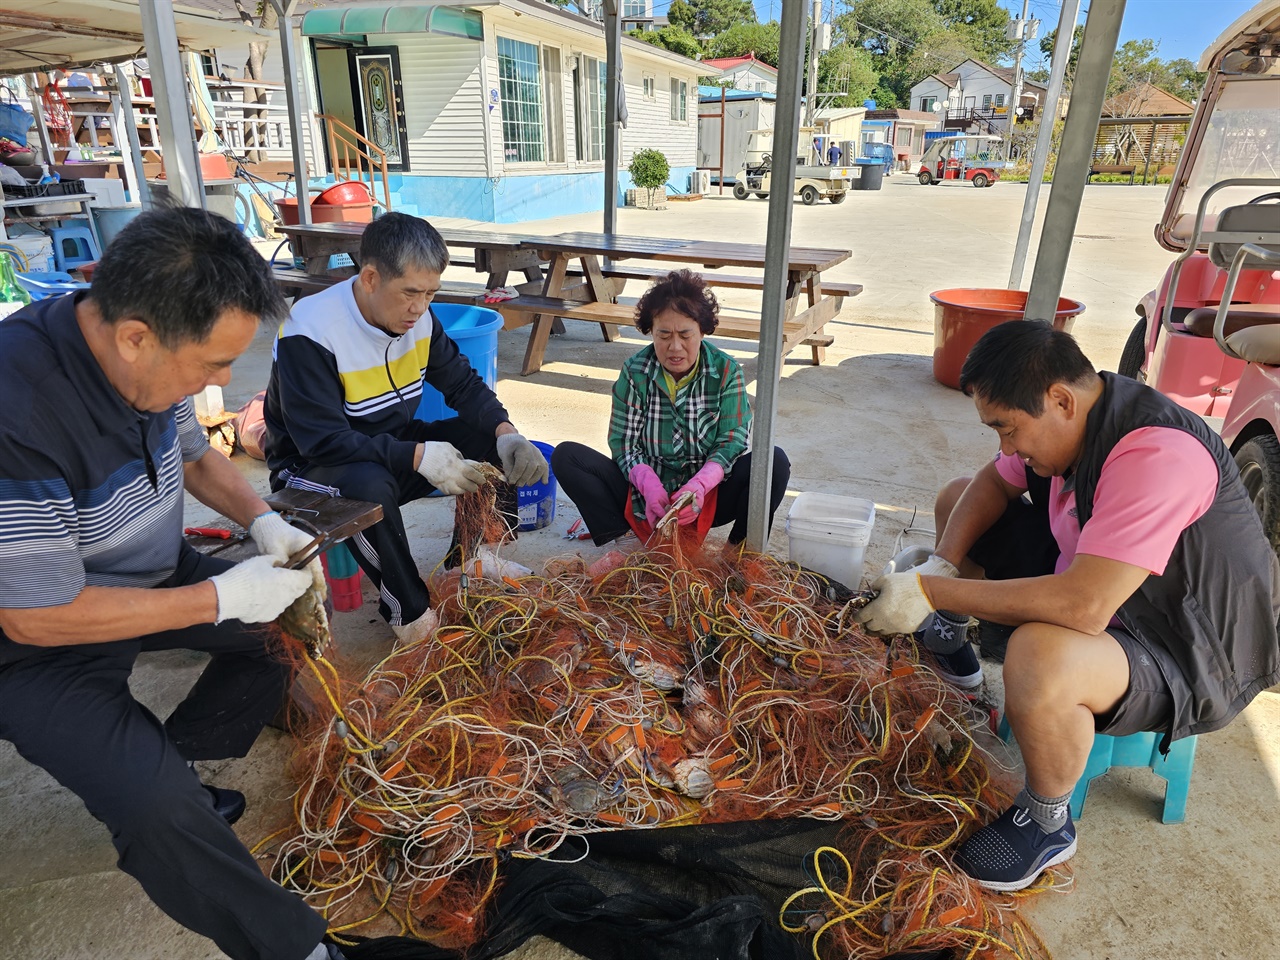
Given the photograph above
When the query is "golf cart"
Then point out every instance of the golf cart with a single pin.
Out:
(972, 157)
(1213, 345)
(812, 182)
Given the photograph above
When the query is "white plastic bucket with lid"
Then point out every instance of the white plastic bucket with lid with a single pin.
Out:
(829, 534)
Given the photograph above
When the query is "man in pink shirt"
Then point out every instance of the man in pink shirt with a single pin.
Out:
(1161, 613)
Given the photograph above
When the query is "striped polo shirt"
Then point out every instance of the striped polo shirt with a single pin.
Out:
(90, 489)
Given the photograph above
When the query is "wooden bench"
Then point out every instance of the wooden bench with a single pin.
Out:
(298, 284)
(830, 288)
(738, 326)
(1120, 168)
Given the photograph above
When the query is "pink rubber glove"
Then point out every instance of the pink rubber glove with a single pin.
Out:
(656, 501)
(700, 484)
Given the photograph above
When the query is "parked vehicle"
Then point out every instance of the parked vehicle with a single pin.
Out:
(971, 157)
(1213, 345)
(812, 182)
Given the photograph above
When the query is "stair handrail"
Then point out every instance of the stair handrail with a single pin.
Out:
(353, 156)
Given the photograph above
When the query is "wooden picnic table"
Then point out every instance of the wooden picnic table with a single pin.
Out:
(805, 266)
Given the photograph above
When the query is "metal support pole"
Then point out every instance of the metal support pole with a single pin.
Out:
(181, 167)
(1017, 75)
(1044, 140)
(724, 119)
(125, 92)
(811, 78)
(1101, 31)
(786, 135)
(37, 109)
(297, 110)
(613, 70)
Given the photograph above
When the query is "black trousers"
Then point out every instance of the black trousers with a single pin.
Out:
(598, 489)
(69, 711)
(383, 551)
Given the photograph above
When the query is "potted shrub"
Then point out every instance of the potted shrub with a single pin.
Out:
(649, 170)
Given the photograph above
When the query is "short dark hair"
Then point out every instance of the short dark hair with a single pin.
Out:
(396, 241)
(685, 292)
(1014, 365)
(178, 269)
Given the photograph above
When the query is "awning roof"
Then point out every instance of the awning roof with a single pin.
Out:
(440, 18)
(72, 33)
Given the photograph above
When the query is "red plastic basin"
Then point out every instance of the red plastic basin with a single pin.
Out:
(961, 316)
(349, 191)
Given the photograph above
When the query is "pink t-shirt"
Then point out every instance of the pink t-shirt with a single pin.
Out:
(1155, 483)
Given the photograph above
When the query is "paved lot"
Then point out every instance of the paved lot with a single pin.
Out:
(1144, 891)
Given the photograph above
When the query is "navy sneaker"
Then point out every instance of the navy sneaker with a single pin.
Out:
(961, 668)
(1010, 852)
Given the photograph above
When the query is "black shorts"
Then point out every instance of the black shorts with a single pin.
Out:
(1148, 703)
(1019, 544)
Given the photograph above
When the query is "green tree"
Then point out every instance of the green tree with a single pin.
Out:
(713, 17)
(981, 23)
(680, 14)
(649, 170)
(745, 38)
(850, 69)
(1046, 48)
(671, 38)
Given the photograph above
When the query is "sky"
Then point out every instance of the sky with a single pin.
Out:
(1183, 27)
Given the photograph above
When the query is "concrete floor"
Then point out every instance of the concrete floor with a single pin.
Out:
(1144, 891)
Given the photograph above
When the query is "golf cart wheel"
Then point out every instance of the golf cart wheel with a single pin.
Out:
(1259, 463)
(809, 195)
(980, 180)
(1135, 351)
(838, 197)
(925, 178)
(740, 190)
(763, 196)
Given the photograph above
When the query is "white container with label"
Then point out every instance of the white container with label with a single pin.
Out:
(36, 250)
(829, 534)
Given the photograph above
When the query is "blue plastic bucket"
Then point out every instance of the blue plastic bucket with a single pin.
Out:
(475, 331)
(537, 502)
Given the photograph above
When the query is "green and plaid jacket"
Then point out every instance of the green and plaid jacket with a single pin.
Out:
(710, 418)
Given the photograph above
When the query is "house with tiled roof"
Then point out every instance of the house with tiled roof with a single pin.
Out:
(742, 73)
(976, 97)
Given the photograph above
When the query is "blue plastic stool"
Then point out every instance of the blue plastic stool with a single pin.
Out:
(41, 285)
(1135, 750)
(73, 247)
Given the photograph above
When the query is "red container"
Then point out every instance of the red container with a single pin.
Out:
(344, 592)
(962, 316)
(349, 191)
(325, 213)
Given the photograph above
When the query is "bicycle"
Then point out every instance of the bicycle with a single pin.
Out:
(257, 208)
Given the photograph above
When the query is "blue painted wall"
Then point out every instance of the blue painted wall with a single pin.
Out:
(515, 199)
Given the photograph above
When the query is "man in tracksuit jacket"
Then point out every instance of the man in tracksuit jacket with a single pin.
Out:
(348, 371)
(1162, 612)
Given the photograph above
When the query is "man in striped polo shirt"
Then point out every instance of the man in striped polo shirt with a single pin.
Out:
(98, 441)
(342, 404)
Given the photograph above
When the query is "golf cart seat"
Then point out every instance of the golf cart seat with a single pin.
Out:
(1250, 331)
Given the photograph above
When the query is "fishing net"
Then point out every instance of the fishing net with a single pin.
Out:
(696, 753)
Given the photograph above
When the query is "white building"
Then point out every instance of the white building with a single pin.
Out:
(744, 111)
(742, 73)
(497, 107)
(975, 96)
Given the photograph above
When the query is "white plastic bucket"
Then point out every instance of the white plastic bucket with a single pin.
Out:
(829, 534)
(36, 250)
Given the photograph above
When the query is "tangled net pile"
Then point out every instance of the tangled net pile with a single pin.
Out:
(665, 692)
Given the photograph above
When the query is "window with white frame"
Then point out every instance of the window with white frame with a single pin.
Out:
(648, 87)
(986, 101)
(590, 84)
(679, 99)
(553, 97)
(904, 136)
(520, 84)
(635, 9)
(999, 100)
(926, 103)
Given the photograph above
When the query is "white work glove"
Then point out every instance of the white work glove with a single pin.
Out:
(443, 467)
(901, 607)
(258, 591)
(522, 462)
(278, 538)
(935, 566)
